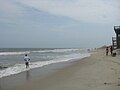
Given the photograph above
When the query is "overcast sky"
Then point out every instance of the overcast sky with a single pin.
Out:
(58, 23)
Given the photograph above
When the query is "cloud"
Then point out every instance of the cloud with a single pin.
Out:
(73, 22)
(10, 11)
(95, 11)
(9, 8)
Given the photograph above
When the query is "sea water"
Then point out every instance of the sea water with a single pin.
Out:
(12, 59)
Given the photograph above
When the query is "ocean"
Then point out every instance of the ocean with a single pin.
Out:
(12, 59)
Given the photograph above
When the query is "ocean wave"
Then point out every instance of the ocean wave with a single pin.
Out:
(3, 67)
(38, 51)
(56, 50)
(18, 68)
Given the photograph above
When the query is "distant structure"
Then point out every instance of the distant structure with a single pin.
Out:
(114, 43)
(116, 40)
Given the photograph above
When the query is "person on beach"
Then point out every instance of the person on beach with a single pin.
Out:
(111, 50)
(107, 50)
(27, 60)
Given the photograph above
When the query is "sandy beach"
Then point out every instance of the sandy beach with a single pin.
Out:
(97, 72)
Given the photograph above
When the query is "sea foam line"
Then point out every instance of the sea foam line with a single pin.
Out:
(13, 53)
(56, 50)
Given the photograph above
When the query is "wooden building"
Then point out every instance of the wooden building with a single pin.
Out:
(116, 42)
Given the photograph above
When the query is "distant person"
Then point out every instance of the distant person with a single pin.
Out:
(107, 51)
(111, 50)
(27, 60)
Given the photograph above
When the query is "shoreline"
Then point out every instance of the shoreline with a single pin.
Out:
(97, 72)
(16, 68)
(16, 80)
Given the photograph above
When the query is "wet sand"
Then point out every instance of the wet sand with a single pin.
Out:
(97, 72)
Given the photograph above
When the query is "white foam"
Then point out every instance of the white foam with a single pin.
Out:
(13, 53)
(21, 67)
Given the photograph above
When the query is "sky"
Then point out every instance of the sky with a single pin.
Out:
(58, 23)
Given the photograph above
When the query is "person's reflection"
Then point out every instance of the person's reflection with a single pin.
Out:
(28, 75)
(0, 86)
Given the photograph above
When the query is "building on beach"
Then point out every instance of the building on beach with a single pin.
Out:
(116, 40)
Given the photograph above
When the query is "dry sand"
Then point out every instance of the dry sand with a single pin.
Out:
(97, 72)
